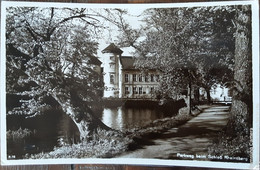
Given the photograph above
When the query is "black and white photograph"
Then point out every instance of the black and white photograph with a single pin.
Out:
(160, 84)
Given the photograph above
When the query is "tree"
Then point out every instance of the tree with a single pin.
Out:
(185, 46)
(235, 139)
(217, 57)
(240, 121)
(53, 50)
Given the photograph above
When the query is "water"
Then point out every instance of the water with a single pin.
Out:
(122, 118)
(55, 126)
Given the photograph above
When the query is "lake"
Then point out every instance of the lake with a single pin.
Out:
(122, 118)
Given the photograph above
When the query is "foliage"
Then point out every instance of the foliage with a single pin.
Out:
(51, 62)
(236, 139)
(105, 144)
(18, 134)
(231, 146)
(189, 46)
(200, 47)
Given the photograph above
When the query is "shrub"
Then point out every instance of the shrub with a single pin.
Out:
(18, 134)
(104, 144)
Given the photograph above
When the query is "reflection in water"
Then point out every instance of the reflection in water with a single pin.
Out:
(122, 118)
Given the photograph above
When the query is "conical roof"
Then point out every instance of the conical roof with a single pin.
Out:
(112, 48)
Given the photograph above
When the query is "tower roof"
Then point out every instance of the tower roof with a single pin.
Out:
(112, 48)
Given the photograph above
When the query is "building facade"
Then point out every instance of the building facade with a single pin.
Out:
(122, 79)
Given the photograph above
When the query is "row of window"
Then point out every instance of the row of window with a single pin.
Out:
(139, 90)
(141, 78)
(137, 78)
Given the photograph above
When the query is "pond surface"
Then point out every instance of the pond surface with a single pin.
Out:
(54, 128)
(122, 118)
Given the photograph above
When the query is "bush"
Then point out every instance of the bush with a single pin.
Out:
(18, 134)
(104, 144)
(231, 146)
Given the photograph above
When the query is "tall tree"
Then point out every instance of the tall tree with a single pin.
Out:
(53, 51)
(240, 121)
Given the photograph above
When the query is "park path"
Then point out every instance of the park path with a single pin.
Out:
(192, 138)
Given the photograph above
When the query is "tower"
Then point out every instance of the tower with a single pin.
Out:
(112, 71)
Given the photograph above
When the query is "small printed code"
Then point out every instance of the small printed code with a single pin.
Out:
(11, 156)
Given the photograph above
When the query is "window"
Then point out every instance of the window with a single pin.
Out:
(112, 58)
(152, 78)
(112, 78)
(146, 78)
(140, 78)
(152, 90)
(144, 90)
(134, 78)
(126, 90)
(135, 90)
(126, 77)
(112, 65)
(140, 90)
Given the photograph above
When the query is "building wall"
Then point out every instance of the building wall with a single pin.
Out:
(123, 85)
(136, 85)
(111, 75)
(120, 82)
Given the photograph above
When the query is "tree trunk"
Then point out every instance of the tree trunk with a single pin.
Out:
(197, 95)
(208, 96)
(241, 110)
(189, 104)
(86, 122)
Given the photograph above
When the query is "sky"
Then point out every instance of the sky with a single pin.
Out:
(134, 19)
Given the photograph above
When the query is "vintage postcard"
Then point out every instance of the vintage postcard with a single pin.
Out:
(147, 84)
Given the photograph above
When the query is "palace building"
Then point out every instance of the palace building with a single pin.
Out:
(122, 79)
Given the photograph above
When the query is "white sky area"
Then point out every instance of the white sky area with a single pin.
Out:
(134, 19)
